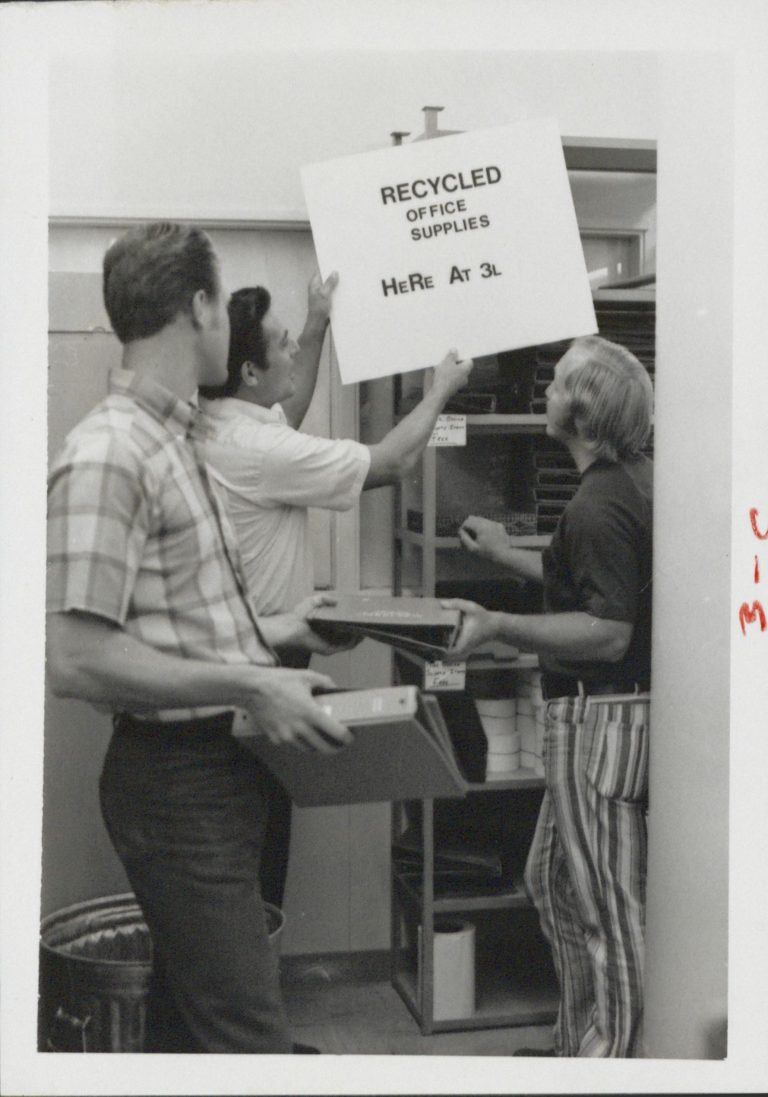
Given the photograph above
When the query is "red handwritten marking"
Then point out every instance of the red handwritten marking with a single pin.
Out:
(748, 616)
(757, 570)
(753, 520)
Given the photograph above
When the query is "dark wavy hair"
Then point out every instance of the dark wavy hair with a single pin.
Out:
(151, 274)
(247, 309)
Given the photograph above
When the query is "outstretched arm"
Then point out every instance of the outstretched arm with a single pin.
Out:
(562, 635)
(310, 347)
(94, 660)
(398, 451)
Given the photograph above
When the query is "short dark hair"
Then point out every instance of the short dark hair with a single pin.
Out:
(247, 309)
(610, 396)
(151, 274)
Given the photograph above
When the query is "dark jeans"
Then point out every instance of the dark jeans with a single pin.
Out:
(186, 811)
(273, 870)
(277, 833)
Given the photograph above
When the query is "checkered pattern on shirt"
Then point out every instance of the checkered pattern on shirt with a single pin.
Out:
(132, 533)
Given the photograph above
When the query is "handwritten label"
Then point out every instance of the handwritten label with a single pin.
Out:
(754, 613)
(450, 430)
(439, 675)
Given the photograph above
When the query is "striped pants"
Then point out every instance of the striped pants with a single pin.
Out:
(586, 871)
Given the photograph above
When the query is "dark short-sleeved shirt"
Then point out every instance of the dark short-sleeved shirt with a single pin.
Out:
(600, 562)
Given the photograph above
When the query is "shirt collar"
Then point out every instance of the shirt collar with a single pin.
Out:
(158, 401)
(229, 407)
(597, 464)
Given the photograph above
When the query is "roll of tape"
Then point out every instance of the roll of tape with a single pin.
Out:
(504, 744)
(526, 725)
(502, 763)
(498, 725)
(503, 706)
(453, 988)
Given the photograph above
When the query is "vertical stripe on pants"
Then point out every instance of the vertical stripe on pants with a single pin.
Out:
(587, 867)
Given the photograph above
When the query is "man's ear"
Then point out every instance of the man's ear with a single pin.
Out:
(250, 374)
(200, 308)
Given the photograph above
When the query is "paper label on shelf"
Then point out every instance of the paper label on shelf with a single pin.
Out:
(450, 430)
(470, 241)
(439, 675)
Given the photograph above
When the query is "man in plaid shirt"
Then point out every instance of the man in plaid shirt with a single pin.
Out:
(149, 617)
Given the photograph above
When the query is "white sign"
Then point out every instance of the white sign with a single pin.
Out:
(467, 241)
(449, 430)
(449, 676)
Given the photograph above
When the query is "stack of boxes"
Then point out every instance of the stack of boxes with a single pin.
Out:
(529, 718)
(514, 728)
(498, 717)
(556, 481)
(475, 479)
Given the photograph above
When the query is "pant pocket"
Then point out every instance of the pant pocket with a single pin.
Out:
(617, 763)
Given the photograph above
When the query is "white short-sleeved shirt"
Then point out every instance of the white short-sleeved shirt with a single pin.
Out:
(271, 474)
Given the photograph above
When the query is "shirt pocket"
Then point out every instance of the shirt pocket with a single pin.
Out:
(617, 762)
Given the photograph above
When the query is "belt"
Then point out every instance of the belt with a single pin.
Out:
(601, 689)
(560, 685)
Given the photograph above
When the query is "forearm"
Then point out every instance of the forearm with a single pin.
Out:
(525, 563)
(576, 636)
(284, 631)
(307, 364)
(95, 661)
(100, 663)
(392, 456)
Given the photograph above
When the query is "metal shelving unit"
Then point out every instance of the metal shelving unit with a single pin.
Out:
(511, 998)
(505, 995)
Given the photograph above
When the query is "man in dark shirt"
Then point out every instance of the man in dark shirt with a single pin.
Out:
(587, 865)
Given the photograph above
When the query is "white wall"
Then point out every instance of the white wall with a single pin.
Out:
(690, 740)
(197, 131)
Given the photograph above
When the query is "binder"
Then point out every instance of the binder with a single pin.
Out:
(401, 751)
(419, 625)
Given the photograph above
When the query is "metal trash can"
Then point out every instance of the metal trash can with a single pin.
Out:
(95, 968)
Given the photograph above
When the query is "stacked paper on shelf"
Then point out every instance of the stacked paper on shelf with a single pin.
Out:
(546, 358)
(475, 479)
(420, 625)
(464, 862)
(630, 323)
(556, 482)
(401, 750)
(518, 523)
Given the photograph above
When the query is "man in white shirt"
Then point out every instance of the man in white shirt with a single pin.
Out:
(272, 473)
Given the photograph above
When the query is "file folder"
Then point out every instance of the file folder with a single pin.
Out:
(420, 625)
(401, 751)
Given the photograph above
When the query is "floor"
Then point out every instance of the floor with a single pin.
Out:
(342, 1013)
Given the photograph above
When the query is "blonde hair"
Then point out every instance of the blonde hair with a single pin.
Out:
(609, 398)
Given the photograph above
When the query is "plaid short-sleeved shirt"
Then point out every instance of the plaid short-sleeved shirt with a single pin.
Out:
(137, 534)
